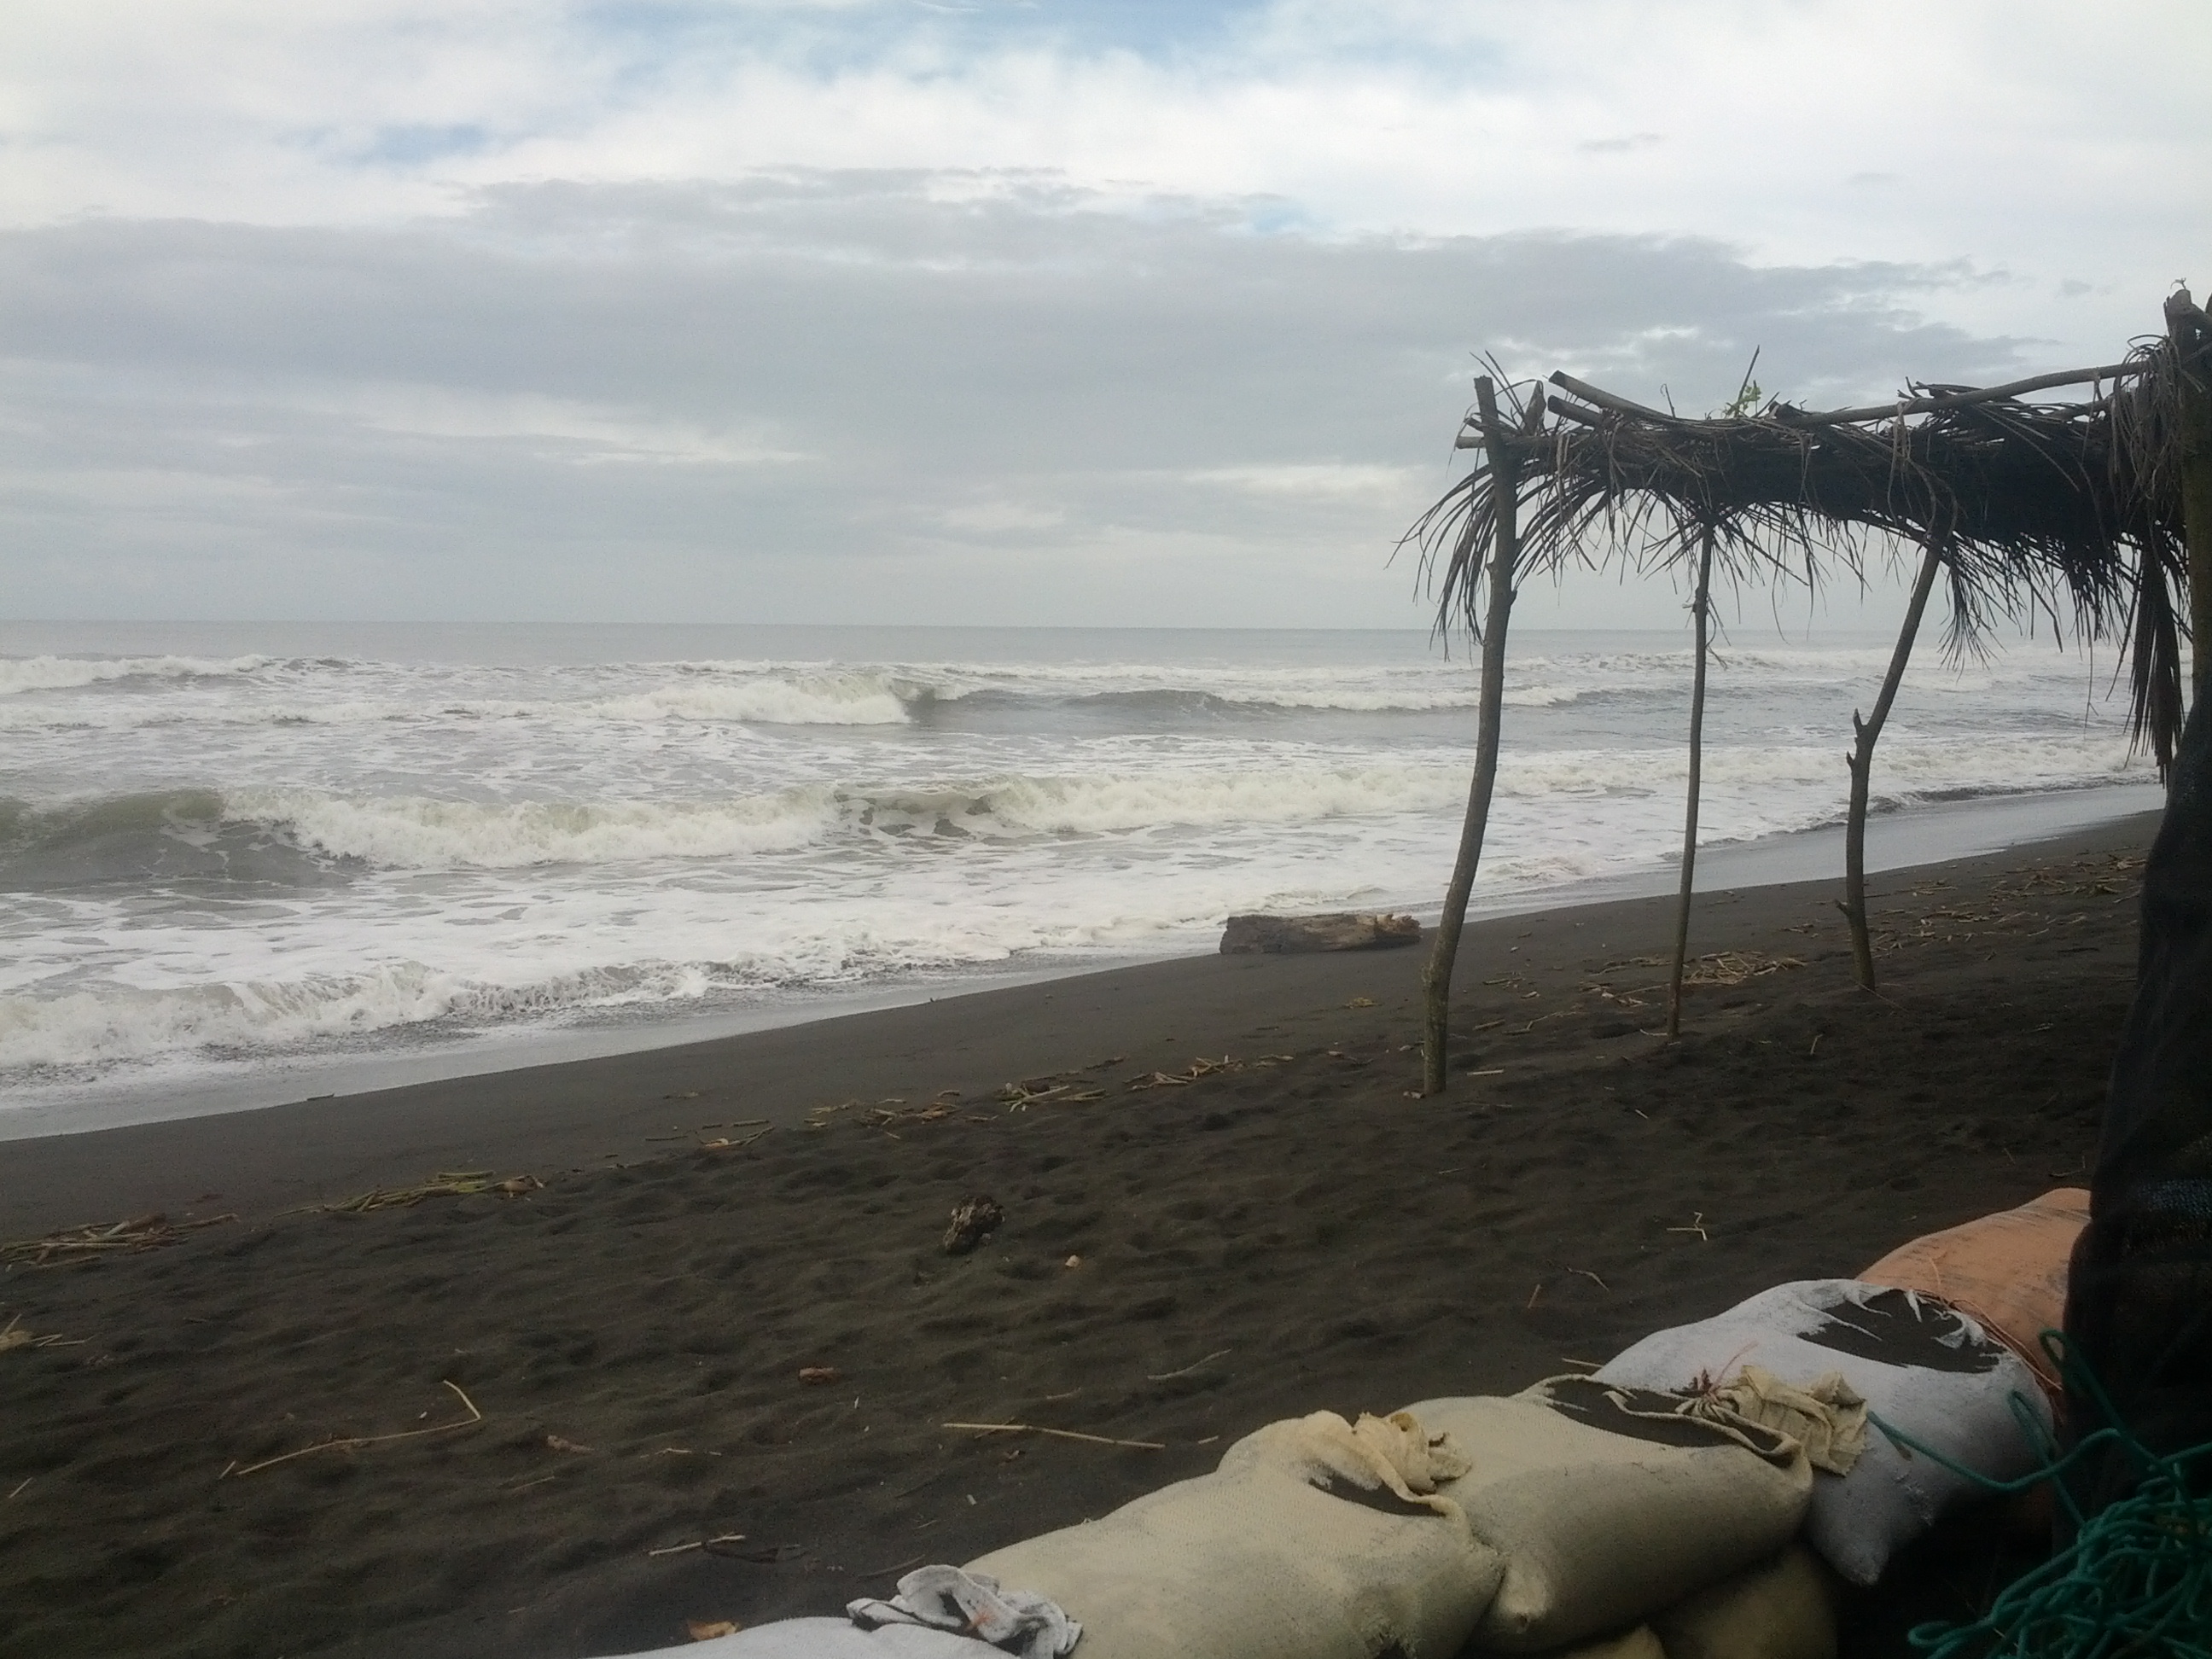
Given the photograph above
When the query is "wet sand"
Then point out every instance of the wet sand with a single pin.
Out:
(1260, 1221)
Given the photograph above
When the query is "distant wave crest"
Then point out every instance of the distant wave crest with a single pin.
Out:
(20, 674)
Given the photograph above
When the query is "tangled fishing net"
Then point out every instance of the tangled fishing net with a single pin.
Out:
(2136, 1580)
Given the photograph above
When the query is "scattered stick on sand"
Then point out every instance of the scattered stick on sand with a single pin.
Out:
(447, 1183)
(145, 1232)
(700, 1544)
(1195, 1365)
(1056, 1434)
(354, 1442)
(13, 1335)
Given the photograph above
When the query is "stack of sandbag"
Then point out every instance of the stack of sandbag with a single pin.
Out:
(1925, 1368)
(1607, 1505)
(2006, 1272)
(1315, 1538)
(827, 1638)
(1518, 1524)
(1782, 1608)
(938, 1612)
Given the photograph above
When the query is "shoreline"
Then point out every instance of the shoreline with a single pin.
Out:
(1926, 833)
(1223, 1206)
(626, 1105)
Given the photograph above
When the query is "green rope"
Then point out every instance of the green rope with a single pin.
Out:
(2135, 1581)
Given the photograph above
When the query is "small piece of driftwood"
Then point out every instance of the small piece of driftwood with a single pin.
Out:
(976, 1220)
(1337, 930)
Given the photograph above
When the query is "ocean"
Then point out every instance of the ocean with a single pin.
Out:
(238, 861)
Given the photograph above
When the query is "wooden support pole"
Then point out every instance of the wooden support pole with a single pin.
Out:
(1868, 732)
(1506, 551)
(1703, 604)
(2187, 329)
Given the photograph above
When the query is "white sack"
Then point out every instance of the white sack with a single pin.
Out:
(1926, 1368)
(1252, 1562)
(1600, 1526)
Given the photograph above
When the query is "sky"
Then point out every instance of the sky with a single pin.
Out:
(1044, 314)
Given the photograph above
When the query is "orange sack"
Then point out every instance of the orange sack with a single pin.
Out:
(2007, 1270)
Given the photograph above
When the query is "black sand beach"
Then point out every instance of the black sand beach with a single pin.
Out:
(1222, 1208)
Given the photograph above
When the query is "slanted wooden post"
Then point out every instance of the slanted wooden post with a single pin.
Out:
(2186, 327)
(1861, 761)
(1697, 758)
(1505, 551)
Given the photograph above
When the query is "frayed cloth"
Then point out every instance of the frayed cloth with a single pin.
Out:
(973, 1604)
(1825, 1416)
(1825, 1419)
(1393, 1453)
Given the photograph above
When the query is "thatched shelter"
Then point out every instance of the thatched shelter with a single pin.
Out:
(2085, 513)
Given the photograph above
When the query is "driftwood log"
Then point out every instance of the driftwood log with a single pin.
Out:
(1339, 930)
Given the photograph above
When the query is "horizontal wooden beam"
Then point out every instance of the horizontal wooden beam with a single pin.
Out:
(1619, 405)
(1928, 406)
(1603, 399)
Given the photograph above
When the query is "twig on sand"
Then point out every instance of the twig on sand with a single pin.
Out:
(1200, 1364)
(447, 1183)
(1056, 1434)
(143, 1232)
(1198, 1068)
(733, 1143)
(1060, 1089)
(1734, 967)
(700, 1133)
(699, 1544)
(1592, 1276)
(12, 1336)
(1697, 1225)
(354, 1442)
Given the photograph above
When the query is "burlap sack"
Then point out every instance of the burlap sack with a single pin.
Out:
(2006, 1271)
(1602, 1518)
(1257, 1561)
(1784, 1609)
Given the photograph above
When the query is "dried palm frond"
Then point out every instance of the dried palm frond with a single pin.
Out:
(2061, 513)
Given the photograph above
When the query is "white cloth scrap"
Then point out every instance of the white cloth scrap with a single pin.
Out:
(973, 1604)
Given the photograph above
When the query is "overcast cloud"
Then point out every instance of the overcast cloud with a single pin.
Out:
(1029, 313)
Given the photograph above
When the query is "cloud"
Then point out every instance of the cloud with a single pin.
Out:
(1620, 145)
(996, 517)
(719, 398)
(694, 308)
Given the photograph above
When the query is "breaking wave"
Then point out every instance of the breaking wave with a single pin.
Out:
(20, 674)
(96, 1028)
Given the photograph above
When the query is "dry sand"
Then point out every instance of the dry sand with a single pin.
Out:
(1222, 1208)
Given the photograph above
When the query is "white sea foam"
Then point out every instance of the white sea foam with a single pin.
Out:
(808, 700)
(412, 833)
(212, 853)
(112, 1024)
(20, 674)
